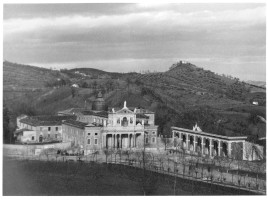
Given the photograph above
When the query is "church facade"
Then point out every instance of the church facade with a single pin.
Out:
(124, 128)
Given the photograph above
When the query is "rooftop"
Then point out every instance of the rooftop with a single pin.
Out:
(46, 120)
(98, 114)
(142, 116)
(17, 132)
(75, 123)
(71, 111)
(237, 137)
(138, 110)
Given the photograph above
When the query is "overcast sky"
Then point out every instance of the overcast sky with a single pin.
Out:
(224, 38)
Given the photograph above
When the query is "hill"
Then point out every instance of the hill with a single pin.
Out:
(181, 96)
(261, 84)
(93, 73)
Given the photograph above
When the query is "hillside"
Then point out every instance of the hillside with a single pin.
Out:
(257, 83)
(17, 76)
(181, 96)
(93, 73)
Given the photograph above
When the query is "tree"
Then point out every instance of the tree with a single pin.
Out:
(8, 126)
(94, 85)
(6, 133)
(73, 91)
(84, 85)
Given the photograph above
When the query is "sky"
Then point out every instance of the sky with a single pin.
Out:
(224, 38)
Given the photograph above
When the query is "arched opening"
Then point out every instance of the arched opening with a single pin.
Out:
(199, 145)
(207, 146)
(184, 141)
(215, 148)
(191, 143)
(124, 122)
(117, 141)
(224, 149)
(176, 139)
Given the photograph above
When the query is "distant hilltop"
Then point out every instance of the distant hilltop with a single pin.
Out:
(257, 83)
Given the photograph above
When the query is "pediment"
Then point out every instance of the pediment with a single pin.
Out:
(124, 111)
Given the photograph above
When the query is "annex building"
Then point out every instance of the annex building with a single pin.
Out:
(196, 141)
(38, 129)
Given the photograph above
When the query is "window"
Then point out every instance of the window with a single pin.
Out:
(41, 128)
(96, 141)
(118, 120)
(146, 141)
(131, 120)
(48, 135)
(88, 141)
(56, 135)
(124, 122)
(49, 128)
(57, 128)
(153, 140)
(96, 133)
(88, 134)
(153, 132)
(32, 137)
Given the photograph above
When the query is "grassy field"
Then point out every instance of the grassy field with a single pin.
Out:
(82, 179)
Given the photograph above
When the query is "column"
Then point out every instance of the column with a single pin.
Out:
(219, 148)
(115, 141)
(106, 140)
(112, 141)
(194, 143)
(187, 141)
(120, 141)
(210, 146)
(128, 141)
(134, 140)
(229, 149)
(202, 145)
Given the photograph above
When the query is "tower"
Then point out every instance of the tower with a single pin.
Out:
(99, 103)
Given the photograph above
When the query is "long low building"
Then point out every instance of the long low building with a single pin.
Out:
(44, 128)
(196, 141)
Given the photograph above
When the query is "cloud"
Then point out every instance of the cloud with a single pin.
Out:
(135, 32)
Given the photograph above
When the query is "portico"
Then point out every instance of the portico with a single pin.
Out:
(121, 140)
(196, 141)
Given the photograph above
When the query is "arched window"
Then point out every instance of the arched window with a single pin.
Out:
(124, 122)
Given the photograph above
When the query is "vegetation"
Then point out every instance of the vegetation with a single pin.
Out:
(181, 96)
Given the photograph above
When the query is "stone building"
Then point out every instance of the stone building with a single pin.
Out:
(44, 128)
(99, 103)
(196, 141)
(116, 129)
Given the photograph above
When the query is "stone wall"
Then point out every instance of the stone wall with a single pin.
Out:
(30, 150)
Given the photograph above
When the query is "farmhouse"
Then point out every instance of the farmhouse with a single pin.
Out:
(40, 128)
(196, 141)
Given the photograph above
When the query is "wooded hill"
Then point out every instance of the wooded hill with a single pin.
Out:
(181, 96)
